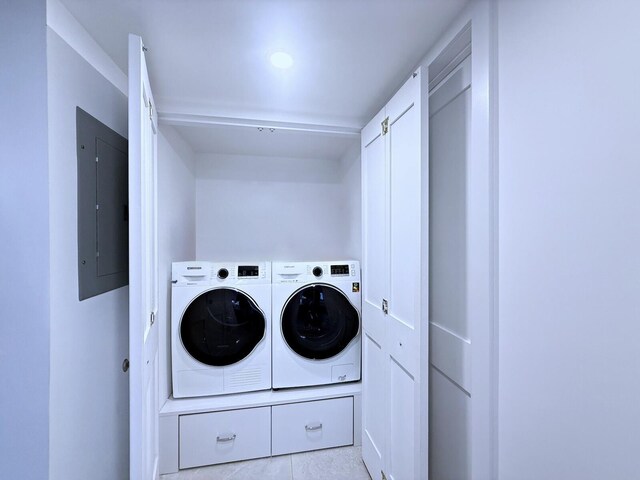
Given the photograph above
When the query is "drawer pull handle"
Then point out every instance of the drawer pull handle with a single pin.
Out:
(312, 427)
(226, 438)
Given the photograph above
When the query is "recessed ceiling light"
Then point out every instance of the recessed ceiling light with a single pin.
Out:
(281, 60)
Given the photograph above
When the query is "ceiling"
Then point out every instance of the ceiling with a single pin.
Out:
(212, 56)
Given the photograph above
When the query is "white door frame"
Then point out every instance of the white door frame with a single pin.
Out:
(482, 282)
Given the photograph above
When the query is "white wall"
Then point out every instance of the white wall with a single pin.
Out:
(65, 24)
(352, 191)
(176, 231)
(89, 392)
(269, 208)
(569, 234)
(24, 244)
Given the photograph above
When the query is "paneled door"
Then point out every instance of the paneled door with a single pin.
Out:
(143, 271)
(395, 301)
(374, 288)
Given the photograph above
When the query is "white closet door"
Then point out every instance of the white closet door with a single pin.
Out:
(405, 297)
(395, 344)
(143, 271)
(374, 290)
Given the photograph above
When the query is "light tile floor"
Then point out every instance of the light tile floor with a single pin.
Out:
(335, 463)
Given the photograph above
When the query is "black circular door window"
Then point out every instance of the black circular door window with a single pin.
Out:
(319, 321)
(221, 327)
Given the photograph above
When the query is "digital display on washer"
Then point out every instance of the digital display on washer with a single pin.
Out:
(339, 269)
(248, 271)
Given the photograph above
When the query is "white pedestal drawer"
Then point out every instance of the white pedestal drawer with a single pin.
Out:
(218, 437)
(299, 427)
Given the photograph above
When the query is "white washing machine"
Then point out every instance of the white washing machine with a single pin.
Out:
(317, 323)
(220, 328)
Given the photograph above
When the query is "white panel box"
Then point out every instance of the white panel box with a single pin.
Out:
(300, 427)
(219, 437)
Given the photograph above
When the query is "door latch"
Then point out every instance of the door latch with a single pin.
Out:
(385, 126)
(385, 306)
(382, 475)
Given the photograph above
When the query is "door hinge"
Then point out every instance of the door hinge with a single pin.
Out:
(382, 475)
(385, 306)
(152, 318)
(385, 126)
(150, 111)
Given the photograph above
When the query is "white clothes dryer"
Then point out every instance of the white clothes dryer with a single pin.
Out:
(317, 315)
(220, 328)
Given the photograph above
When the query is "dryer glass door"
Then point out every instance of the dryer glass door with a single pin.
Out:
(319, 321)
(222, 326)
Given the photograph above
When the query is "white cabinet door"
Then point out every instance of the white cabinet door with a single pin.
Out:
(221, 437)
(395, 242)
(305, 426)
(143, 273)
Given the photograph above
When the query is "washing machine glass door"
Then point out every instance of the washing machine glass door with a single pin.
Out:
(222, 326)
(318, 321)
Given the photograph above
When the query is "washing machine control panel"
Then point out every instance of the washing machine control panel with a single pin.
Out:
(217, 273)
(304, 272)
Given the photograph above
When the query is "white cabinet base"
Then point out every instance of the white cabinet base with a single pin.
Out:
(189, 428)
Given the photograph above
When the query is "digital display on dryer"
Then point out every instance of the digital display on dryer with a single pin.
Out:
(245, 271)
(339, 269)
